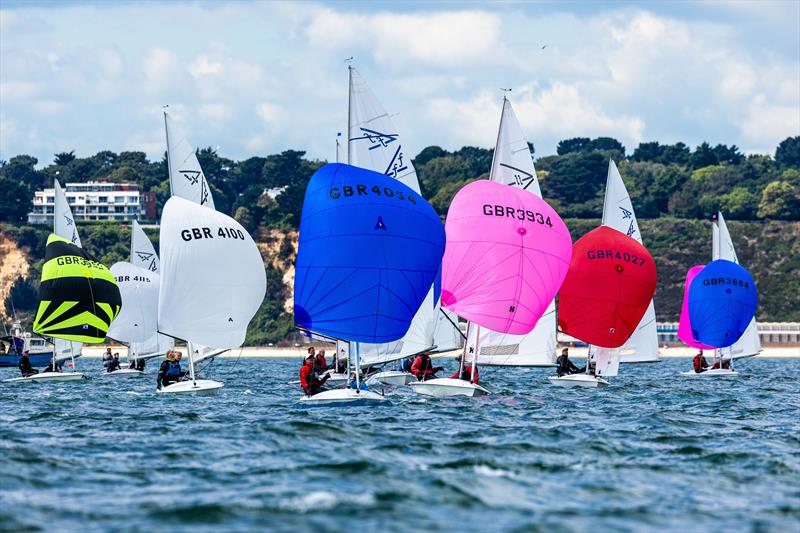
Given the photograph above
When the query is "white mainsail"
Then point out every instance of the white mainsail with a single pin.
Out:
(749, 344)
(642, 346)
(142, 252)
(446, 335)
(374, 144)
(64, 226)
(138, 289)
(212, 276)
(63, 222)
(512, 165)
(186, 177)
(143, 255)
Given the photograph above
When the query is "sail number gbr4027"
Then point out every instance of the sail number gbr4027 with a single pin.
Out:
(208, 233)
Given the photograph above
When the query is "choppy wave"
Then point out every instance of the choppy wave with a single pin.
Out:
(652, 452)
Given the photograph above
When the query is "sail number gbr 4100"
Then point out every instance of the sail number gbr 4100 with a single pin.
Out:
(208, 233)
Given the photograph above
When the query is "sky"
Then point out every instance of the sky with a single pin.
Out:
(256, 78)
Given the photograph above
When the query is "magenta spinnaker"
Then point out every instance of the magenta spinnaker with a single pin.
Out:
(685, 325)
(506, 256)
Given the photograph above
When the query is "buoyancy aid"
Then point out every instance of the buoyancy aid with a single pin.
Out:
(173, 369)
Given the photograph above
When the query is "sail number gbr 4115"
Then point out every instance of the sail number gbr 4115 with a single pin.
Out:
(208, 233)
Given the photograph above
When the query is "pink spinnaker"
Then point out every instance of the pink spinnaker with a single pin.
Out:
(507, 254)
(685, 325)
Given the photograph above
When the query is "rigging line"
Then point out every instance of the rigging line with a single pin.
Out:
(453, 323)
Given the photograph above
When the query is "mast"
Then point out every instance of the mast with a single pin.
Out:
(475, 353)
(358, 371)
(349, 109)
(190, 349)
(492, 170)
(169, 164)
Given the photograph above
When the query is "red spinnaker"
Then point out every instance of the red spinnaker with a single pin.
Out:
(610, 283)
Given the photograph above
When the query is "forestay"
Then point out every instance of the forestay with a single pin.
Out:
(389, 243)
(507, 254)
(187, 179)
(512, 165)
(212, 276)
(446, 334)
(618, 213)
(749, 344)
(138, 287)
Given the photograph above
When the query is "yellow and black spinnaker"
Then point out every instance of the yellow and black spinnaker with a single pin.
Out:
(78, 297)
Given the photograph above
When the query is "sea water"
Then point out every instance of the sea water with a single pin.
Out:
(654, 451)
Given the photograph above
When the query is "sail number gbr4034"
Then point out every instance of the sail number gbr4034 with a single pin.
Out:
(208, 233)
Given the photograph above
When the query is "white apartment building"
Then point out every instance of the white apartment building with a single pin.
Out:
(94, 200)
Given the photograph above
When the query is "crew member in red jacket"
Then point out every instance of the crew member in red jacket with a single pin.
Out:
(309, 380)
(700, 363)
(466, 374)
(423, 368)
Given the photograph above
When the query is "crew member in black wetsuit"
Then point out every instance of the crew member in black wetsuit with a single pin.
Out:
(170, 370)
(114, 363)
(564, 365)
(137, 364)
(54, 366)
(25, 367)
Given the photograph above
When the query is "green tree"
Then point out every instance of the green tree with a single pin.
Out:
(788, 152)
(16, 201)
(781, 201)
(243, 217)
(740, 204)
(64, 158)
(576, 144)
(23, 297)
(704, 156)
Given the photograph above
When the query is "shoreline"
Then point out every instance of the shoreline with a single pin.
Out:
(264, 352)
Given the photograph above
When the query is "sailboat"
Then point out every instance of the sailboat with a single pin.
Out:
(749, 344)
(618, 213)
(64, 226)
(374, 144)
(212, 277)
(507, 253)
(512, 164)
(78, 300)
(137, 323)
(389, 244)
(608, 289)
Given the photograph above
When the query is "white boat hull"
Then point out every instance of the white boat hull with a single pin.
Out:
(444, 387)
(200, 387)
(335, 379)
(586, 381)
(50, 377)
(714, 373)
(397, 378)
(342, 396)
(123, 372)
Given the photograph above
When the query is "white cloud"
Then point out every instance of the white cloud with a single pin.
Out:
(204, 66)
(214, 111)
(269, 112)
(159, 67)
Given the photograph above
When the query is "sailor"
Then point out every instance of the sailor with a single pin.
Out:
(54, 365)
(404, 366)
(309, 380)
(726, 363)
(353, 384)
(564, 365)
(25, 367)
(466, 373)
(107, 358)
(170, 370)
(320, 364)
(18, 344)
(423, 368)
(700, 363)
(114, 363)
(137, 364)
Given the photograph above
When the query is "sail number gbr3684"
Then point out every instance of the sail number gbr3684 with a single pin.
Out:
(208, 233)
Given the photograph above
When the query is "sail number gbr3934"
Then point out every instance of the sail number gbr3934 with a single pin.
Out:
(513, 212)
(208, 233)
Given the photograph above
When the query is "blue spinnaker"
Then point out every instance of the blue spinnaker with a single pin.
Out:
(722, 302)
(369, 250)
